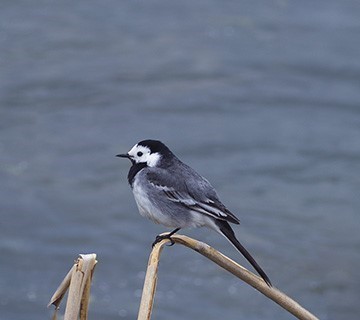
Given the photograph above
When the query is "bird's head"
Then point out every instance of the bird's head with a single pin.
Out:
(148, 152)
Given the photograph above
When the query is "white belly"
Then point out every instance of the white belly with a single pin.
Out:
(150, 210)
(147, 208)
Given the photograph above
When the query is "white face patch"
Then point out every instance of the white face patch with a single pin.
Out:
(142, 154)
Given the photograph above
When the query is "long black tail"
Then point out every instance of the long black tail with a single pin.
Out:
(226, 230)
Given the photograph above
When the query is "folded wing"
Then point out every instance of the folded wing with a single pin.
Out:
(202, 199)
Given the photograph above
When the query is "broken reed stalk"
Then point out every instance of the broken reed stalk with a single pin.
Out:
(256, 282)
(78, 280)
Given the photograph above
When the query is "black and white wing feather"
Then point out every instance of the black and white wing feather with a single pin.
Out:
(192, 191)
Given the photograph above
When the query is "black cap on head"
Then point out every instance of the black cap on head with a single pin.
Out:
(155, 146)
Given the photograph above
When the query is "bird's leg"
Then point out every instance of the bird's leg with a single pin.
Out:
(166, 236)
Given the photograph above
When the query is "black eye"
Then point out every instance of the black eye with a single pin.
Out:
(139, 154)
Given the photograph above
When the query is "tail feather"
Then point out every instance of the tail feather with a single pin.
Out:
(228, 233)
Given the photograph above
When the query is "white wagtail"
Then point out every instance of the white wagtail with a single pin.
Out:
(170, 193)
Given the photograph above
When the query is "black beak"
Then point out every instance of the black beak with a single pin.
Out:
(123, 155)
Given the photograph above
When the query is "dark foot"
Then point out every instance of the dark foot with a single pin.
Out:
(162, 237)
(165, 236)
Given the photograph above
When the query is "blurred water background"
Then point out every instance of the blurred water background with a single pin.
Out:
(262, 98)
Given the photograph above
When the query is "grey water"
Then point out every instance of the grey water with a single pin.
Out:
(262, 98)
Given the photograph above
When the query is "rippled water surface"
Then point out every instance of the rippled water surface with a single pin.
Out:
(261, 98)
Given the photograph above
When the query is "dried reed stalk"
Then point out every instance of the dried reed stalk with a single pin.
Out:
(245, 275)
(78, 280)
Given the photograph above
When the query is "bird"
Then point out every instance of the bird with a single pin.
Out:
(171, 193)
